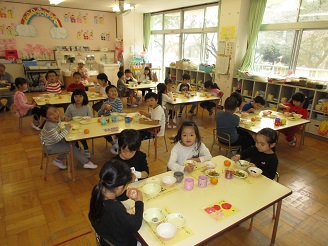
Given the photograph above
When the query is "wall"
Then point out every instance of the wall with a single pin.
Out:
(94, 29)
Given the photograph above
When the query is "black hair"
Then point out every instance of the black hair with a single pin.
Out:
(300, 97)
(113, 174)
(80, 92)
(76, 73)
(270, 135)
(209, 83)
(129, 138)
(20, 81)
(109, 87)
(193, 124)
(103, 76)
(127, 71)
(151, 95)
(44, 110)
(149, 74)
(120, 74)
(230, 103)
(186, 76)
(161, 88)
(168, 81)
(238, 96)
(259, 99)
(51, 71)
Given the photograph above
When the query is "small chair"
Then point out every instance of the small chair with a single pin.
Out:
(224, 137)
(157, 139)
(45, 154)
(276, 178)
(15, 110)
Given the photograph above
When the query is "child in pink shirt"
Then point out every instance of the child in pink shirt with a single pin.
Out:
(215, 91)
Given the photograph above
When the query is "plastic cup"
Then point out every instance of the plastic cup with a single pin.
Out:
(179, 176)
(189, 183)
(114, 118)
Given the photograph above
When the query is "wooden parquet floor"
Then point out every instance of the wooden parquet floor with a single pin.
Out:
(54, 212)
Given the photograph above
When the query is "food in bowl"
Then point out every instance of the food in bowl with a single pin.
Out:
(266, 113)
(241, 174)
(168, 181)
(153, 180)
(254, 171)
(209, 165)
(77, 118)
(86, 118)
(153, 216)
(212, 173)
(248, 124)
(242, 164)
(189, 162)
(297, 116)
(287, 114)
(51, 95)
(166, 231)
(83, 122)
(151, 190)
(244, 115)
(256, 111)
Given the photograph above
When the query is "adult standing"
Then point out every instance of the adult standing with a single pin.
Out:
(82, 70)
(6, 79)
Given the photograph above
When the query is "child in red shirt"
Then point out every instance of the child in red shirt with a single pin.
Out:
(77, 83)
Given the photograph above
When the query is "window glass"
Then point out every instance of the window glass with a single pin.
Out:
(194, 18)
(211, 16)
(314, 10)
(312, 59)
(171, 48)
(156, 50)
(280, 11)
(211, 46)
(273, 52)
(156, 22)
(191, 46)
(172, 21)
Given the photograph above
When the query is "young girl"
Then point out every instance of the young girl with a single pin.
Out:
(53, 138)
(239, 99)
(51, 82)
(100, 88)
(262, 155)
(215, 91)
(79, 107)
(188, 147)
(165, 97)
(107, 215)
(297, 104)
(145, 76)
(23, 106)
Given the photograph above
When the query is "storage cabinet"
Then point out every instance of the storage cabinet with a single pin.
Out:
(277, 93)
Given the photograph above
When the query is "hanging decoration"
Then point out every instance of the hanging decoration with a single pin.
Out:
(7, 13)
(27, 30)
(105, 36)
(8, 30)
(84, 34)
(79, 18)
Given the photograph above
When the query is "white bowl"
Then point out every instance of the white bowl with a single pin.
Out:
(83, 122)
(166, 231)
(189, 162)
(151, 190)
(176, 219)
(287, 114)
(153, 216)
(77, 118)
(242, 164)
(248, 124)
(254, 171)
(256, 111)
(212, 173)
(209, 165)
(168, 181)
(266, 113)
(51, 95)
(86, 118)
(272, 116)
(153, 180)
(297, 116)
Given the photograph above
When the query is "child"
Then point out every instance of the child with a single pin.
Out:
(53, 138)
(145, 76)
(172, 113)
(79, 107)
(129, 142)
(81, 70)
(156, 116)
(183, 87)
(228, 122)
(256, 104)
(239, 98)
(163, 99)
(262, 155)
(121, 85)
(100, 88)
(23, 106)
(51, 82)
(108, 216)
(76, 83)
(215, 91)
(133, 95)
(188, 147)
(297, 104)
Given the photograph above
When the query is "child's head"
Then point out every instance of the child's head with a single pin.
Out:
(129, 141)
(188, 134)
(266, 140)
(161, 88)
(50, 113)
(79, 97)
(147, 70)
(114, 177)
(208, 84)
(103, 79)
(51, 76)
(239, 98)
(230, 104)
(300, 100)
(151, 99)
(77, 78)
(258, 102)
(185, 78)
(128, 73)
(169, 84)
(81, 63)
(120, 75)
(21, 84)
(111, 91)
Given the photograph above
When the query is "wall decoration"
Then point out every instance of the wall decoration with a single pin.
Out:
(7, 13)
(105, 36)
(7, 44)
(84, 34)
(37, 51)
(8, 30)
(73, 18)
(27, 30)
(98, 19)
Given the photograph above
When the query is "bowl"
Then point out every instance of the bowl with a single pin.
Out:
(266, 113)
(297, 116)
(83, 122)
(212, 173)
(151, 190)
(189, 162)
(244, 115)
(51, 95)
(123, 115)
(209, 165)
(248, 124)
(242, 164)
(153, 180)
(166, 231)
(258, 118)
(77, 118)
(287, 114)
(87, 118)
(153, 216)
(254, 171)
(256, 111)
(115, 113)
(272, 116)
(168, 181)
(176, 219)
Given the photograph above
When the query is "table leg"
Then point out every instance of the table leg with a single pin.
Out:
(276, 221)
(302, 137)
(155, 144)
(70, 167)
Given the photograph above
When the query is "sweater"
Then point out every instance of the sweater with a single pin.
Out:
(227, 122)
(72, 111)
(51, 133)
(72, 87)
(117, 106)
(21, 103)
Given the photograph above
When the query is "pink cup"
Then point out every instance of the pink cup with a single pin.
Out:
(189, 183)
(202, 181)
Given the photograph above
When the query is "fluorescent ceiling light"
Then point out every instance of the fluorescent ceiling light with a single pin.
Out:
(55, 2)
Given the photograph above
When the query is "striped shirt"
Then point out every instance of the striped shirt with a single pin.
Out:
(117, 106)
(51, 133)
(54, 87)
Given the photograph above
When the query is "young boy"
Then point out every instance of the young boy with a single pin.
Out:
(228, 122)
(256, 104)
(76, 83)
(169, 92)
(129, 78)
(183, 87)
(156, 116)
(121, 88)
(129, 142)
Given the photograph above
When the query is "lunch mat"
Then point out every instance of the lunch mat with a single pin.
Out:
(220, 210)
(164, 191)
(183, 232)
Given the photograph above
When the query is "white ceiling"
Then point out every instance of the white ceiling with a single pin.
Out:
(144, 6)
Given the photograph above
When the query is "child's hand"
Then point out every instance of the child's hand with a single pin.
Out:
(287, 107)
(251, 110)
(236, 157)
(252, 165)
(69, 126)
(134, 194)
(189, 168)
(67, 119)
(142, 112)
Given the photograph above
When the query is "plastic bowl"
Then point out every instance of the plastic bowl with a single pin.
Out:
(176, 219)
(51, 95)
(77, 118)
(242, 164)
(254, 171)
(83, 122)
(153, 216)
(166, 231)
(123, 115)
(209, 165)
(153, 180)
(266, 113)
(287, 114)
(168, 181)
(115, 114)
(151, 190)
(297, 116)
(256, 111)
(88, 118)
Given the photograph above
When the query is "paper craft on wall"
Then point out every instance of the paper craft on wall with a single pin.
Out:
(37, 51)
(222, 64)
(7, 13)
(84, 35)
(7, 30)
(98, 19)
(7, 44)
(228, 32)
(105, 36)
(73, 18)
